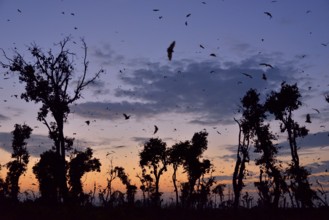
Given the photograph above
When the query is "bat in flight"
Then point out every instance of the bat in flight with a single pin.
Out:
(170, 50)
(155, 129)
(126, 116)
(267, 65)
(268, 14)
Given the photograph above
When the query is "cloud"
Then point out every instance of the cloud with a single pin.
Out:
(208, 90)
(98, 87)
(36, 144)
(3, 117)
(107, 55)
(140, 140)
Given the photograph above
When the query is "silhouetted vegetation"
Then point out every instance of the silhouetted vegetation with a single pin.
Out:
(48, 80)
(10, 187)
(281, 105)
(154, 157)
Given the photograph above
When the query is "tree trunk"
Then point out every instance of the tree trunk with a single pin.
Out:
(175, 185)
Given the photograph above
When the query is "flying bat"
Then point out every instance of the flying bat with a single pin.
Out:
(19, 10)
(155, 129)
(267, 65)
(308, 118)
(126, 116)
(201, 46)
(188, 15)
(170, 50)
(87, 122)
(268, 14)
(248, 75)
(264, 77)
(156, 10)
(213, 55)
(317, 110)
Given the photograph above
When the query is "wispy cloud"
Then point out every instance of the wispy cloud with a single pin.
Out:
(107, 55)
(3, 117)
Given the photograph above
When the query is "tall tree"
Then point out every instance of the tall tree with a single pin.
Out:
(49, 79)
(282, 104)
(154, 156)
(195, 167)
(82, 162)
(252, 116)
(176, 155)
(271, 184)
(18, 166)
(260, 135)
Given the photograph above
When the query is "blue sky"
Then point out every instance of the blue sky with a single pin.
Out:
(193, 91)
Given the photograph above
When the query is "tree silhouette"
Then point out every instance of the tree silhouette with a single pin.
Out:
(47, 174)
(154, 156)
(48, 80)
(18, 166)
(176, 156)
(147, 186)
(82, 162)
(131, 189)
(219, 190)
(282, 104)
(195, 168)
(106, 193)
(270, 174)
(253, 123)
(252, 116)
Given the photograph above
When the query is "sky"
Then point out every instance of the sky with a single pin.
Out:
(192, 92)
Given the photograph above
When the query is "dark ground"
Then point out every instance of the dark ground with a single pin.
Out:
(39, 211)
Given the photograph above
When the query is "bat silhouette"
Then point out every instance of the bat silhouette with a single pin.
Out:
(188, 15)
(248, 75)
(126, 116)
(213, 55)
(170, 50)
(87, 122)
(268, 14)
(308, 118)
(317, 110)
(267, 65)
(264, 77)
(155, 129)
(201, 46)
